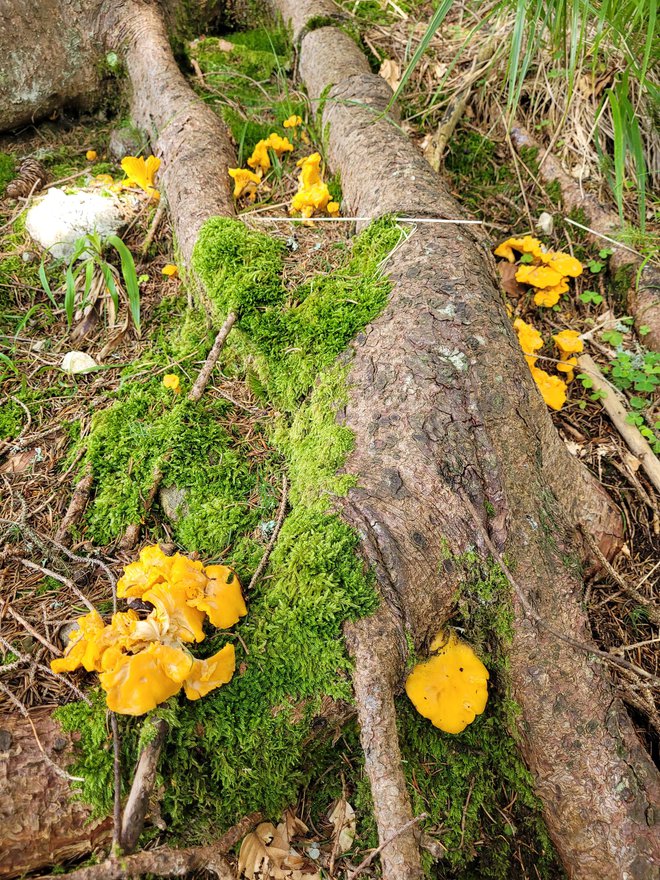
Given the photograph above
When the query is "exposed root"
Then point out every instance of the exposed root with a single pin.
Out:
(144, 779)
(76, 506)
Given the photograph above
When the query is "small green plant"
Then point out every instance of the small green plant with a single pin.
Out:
(590, 296)
(91, 280)
(596, 266)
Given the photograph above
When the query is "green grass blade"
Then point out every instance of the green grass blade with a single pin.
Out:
(110, 284)
(70, 295)
(619, 151)
(436, 20)
(130, 278)
(46, 286)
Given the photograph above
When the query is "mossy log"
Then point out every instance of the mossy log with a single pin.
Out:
(441, 399)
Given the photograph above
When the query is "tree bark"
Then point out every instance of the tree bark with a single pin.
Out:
(49, 60)
(40, 823)
(441, 399)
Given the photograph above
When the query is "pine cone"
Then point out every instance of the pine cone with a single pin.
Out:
(31, 178)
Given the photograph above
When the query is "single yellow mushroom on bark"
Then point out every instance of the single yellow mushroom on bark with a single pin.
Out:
(450, 688)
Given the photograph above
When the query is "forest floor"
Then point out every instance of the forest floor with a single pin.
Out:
(229, 456)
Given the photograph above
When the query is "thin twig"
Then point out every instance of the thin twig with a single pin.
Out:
(652, 610)
(155, 223)
(369, 859)
(29, 628)
(58, 577)
(529, 610)
(205, 373)
(144, 779)
(77, 504)
(116, 749)
(278, 525)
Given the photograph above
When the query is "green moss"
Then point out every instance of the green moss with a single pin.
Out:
(7, 171)
(240, 268)
(473, 163)
(479, 798)
(11, 415)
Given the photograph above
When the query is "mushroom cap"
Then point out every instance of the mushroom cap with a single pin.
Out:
(244, 181)
(137, 683)
(311, 198)
(552, 388)
(529, 338)
(549, 296)
(526, 245)
(450, 688)
(178, 619)
(207, 675)
(260, 157)
(222, 600)
(538, 276)
(310, 170)
(569, 342)
(563, 263)
(152, 567)
(84, 648)
(279, 144)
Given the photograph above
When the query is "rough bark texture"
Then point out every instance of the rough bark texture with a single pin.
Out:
(46, 64)
(443, 400)
(188, 136)
(643, 293)
(39, 823)
(304, 12)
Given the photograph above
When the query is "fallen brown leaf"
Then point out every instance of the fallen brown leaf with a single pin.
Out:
(508, 279)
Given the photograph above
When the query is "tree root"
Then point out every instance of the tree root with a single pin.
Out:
(76, 506)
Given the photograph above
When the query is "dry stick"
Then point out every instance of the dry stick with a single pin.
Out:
(369, 859)
(155, 223)
(652, 610)
(58, 577)
(33, 632)
(278, 525)
(166, 862)
(205, 373)
(137, 804)
(77, 504)
(527, 608)
(116, 759)
(132, 534)
(618, 414)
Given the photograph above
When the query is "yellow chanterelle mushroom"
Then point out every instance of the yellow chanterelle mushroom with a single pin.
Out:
(450, 688)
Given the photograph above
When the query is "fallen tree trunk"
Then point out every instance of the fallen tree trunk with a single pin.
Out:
(642, 279)
(441, 398)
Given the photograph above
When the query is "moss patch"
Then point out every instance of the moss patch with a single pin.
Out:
(7, 171)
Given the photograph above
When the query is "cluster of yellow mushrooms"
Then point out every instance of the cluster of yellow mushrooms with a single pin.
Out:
(143, 662)
(313, 196)
(547, 272)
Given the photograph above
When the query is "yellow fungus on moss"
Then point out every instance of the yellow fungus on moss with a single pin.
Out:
(91, 155)
(292, 122)
(526, 245)
(450, 689)
(207, 675)
(310, 170)
(143, 662)
(563, 263)
(170, 270)
(222, 600)
(172, 381)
